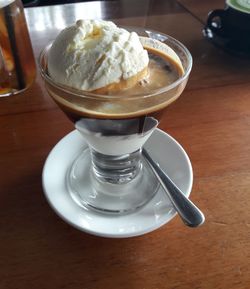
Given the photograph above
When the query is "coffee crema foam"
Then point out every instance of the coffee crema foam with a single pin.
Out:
(118, 101)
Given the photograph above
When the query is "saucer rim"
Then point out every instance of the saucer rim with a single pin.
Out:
(146, 230)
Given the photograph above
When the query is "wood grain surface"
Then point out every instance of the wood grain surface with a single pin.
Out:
(200, 9)
(211, 120)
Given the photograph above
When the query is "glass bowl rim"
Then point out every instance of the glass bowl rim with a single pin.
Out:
(89, 94)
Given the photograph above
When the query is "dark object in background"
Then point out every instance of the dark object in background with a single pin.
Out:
(32, 3)
(229, 28)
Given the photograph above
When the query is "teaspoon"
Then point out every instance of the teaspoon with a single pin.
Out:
(189, 213)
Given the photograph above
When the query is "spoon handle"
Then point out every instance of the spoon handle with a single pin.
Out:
(188, 212)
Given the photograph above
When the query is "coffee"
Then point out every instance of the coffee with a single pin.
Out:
(17, 65)
(127, 103)
(240, 5)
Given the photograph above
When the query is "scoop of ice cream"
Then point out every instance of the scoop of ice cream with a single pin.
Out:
(93, 54)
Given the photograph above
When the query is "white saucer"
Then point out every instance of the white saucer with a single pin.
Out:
(162, 147)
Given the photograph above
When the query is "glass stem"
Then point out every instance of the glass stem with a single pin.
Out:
(119, 169)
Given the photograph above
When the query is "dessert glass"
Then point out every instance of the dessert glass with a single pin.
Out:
(111, 176)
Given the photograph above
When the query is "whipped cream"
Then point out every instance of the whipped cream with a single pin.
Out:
(92, 54)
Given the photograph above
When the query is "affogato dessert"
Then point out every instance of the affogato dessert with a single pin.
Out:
(114, 84)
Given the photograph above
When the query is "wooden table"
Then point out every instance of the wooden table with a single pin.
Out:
(211, 120)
